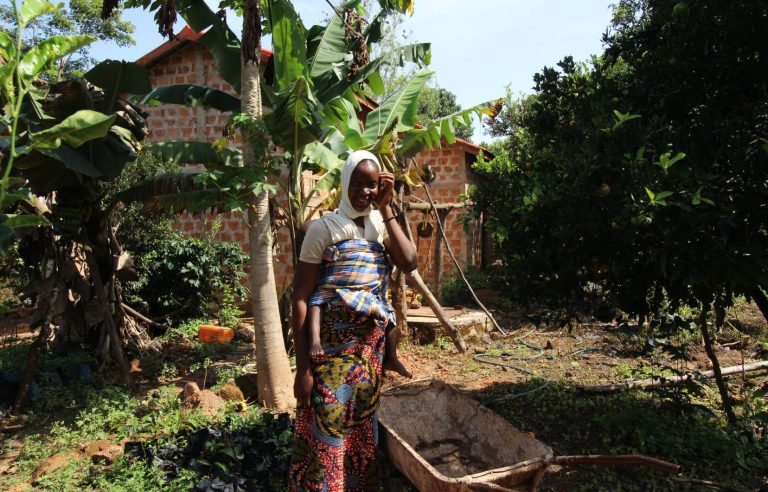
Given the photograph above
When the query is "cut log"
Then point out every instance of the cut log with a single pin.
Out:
(658, 383)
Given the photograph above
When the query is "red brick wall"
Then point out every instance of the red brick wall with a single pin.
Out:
(451, 165)
(192, 64)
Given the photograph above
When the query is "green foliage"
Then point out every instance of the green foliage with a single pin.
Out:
(21, 65)
(201, 273)
(455, 291)
(229, 312)
(438, 102)
(186, 330)
(111, 413)
(641, 172)
(74, 17)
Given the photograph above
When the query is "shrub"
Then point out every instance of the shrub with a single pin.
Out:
(187, 277)
(180, 277)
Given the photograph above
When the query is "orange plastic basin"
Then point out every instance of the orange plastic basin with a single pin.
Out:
(215, 334)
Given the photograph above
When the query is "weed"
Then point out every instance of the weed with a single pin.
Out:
(225, 374)
(186, 331)
(169, 371)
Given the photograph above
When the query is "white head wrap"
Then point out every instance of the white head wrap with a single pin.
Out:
(341, 225)
(345, 205)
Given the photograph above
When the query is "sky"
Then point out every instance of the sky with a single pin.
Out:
(479, 47)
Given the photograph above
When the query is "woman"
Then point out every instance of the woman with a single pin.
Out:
(344, 267)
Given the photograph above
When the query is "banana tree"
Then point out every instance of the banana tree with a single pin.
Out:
(68, 144)
(313, 99)
(18, 71)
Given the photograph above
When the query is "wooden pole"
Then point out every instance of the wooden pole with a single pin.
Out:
(442, 214)
(400, 294)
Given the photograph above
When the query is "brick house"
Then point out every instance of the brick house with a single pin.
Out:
(184, 61)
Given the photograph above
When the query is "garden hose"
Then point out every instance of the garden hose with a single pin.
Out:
(487, 359)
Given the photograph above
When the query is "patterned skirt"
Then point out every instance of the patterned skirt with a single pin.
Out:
(335, 439)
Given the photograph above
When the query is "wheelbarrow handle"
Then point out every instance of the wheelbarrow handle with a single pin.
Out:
(621, 459)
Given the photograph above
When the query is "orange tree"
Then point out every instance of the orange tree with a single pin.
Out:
(641, 175)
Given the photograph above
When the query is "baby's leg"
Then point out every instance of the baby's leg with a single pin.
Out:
(391, 362)
(315, 348)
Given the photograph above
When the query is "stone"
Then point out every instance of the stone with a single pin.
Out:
(102, 451)
(245, 334)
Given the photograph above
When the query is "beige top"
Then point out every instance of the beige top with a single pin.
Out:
(332, 228)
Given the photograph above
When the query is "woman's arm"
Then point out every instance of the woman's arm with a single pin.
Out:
(401, 248)
(304, 281)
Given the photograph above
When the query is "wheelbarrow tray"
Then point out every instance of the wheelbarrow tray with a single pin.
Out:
(444, 441)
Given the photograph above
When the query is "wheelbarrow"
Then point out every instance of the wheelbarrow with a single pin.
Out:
(444, 441)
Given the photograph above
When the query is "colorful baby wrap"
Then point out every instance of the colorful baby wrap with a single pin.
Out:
(335, 438)
(356, 273)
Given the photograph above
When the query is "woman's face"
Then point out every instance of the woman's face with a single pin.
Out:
(363, 185)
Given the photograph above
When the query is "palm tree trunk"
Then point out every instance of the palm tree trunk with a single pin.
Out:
(274, 379)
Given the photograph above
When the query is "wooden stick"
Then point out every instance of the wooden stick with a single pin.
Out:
(436, 206)
(658, 383)
(442, 215)
(458, 267)
(622, 459)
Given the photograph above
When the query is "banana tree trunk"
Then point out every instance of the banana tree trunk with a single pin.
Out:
(274, 379)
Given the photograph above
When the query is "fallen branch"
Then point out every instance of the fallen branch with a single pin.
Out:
(707, 483)
(622, 459)
(671, 381)
(128, 309)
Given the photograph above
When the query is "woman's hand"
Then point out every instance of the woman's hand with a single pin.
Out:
(386, 190)
(302, 388)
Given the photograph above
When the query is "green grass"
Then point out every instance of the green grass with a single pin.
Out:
(680, 426)
(112, 413)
